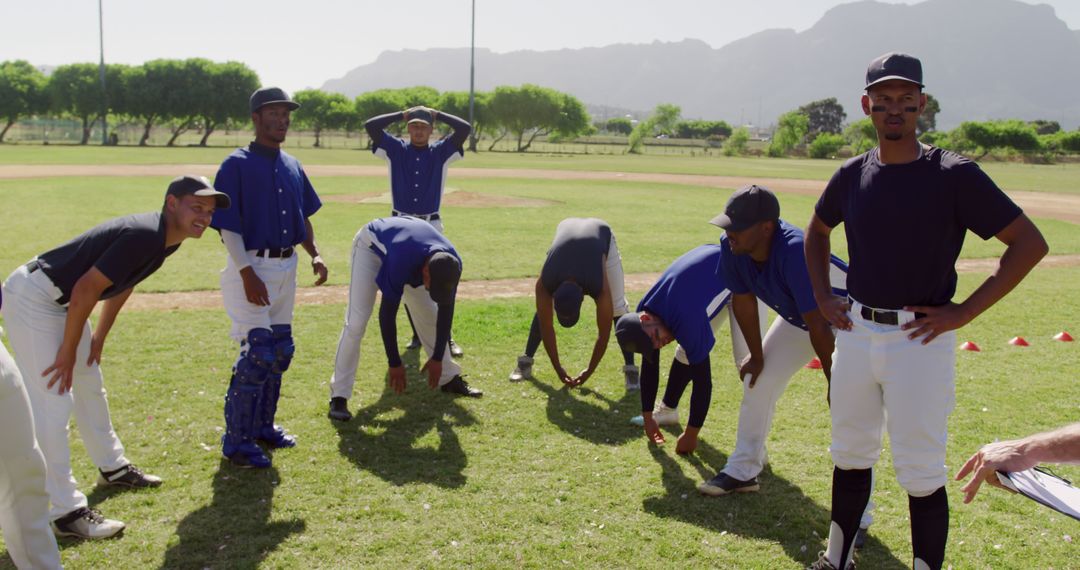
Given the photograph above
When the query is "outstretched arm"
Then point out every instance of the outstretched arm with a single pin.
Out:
(388, 309)
(545, 311)
(744, 306)
(84, 296)
(1058, 446)
(604, 320)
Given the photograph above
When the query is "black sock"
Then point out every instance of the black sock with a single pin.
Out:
(678, 378)
(850, 493)
(930, 527)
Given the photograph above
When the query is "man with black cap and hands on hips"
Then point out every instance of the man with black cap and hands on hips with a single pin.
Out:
(583, 260)
(47, 304)
(906, 208)
(273, 201)
(418, 167)
(687, 305)
(407, 260)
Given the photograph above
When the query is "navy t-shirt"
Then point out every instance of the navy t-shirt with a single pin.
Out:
(577, 254)
(905, 223)
(126, 250)
(689, 293)
(783, 281)
(404, 244)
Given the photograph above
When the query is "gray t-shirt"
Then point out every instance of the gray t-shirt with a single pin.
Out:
(577, 254)
(126, 250)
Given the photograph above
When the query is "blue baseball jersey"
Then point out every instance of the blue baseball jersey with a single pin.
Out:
(271, 197)
(404, 244)
(417, 175)
(782, 282)
(905, 223)
(689, 293)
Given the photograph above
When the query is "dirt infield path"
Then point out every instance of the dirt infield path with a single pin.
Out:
(1037, 204)
(493, 289)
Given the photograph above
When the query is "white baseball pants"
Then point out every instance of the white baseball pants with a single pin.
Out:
(35, 327)
(362, 290)
(279, 276)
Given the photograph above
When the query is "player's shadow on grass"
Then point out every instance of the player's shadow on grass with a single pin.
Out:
(780, 512)
(388, 437)
(605, 422)
(234, 531)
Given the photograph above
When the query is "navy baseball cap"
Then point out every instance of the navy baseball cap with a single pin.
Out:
(894, 66)
(445, 272)
(632, 336)
(268, 95)
(190, 185)
(567, 300)
(748, 206)
(421, 116)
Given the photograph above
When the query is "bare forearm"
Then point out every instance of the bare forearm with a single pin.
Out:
(110, 309)
(744, 306)
(309, 242)
(1019, 258)
(1058, 446)
(823, 341)
(816, 247)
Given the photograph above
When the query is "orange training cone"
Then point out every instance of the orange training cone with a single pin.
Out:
(814, 364)
(1063, 337)
(1018, 341)
(968, 345)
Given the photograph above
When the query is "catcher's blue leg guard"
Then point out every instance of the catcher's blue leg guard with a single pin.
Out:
(242, 401)
(272, 435)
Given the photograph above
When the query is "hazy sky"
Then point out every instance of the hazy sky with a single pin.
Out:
(301, 43)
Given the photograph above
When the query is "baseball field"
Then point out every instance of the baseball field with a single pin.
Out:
(531, 475)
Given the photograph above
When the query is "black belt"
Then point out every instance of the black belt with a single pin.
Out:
(275, 252)
(34, 265)
(425, 217)
(884, 317)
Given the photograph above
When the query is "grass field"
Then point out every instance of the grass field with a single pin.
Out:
(532, 475)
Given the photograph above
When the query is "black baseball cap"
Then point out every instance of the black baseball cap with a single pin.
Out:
(567, 300)
(445, 272)
(421, 116)
(268, 95)
(632, 336)
(748, 206)
(191, 185)
(894, 66)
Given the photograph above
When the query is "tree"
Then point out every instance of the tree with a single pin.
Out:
(989, 135)
(226, 90)
(1045, 127)
(825, 145)
(619, 125)
(533, 110)
(457, 103)
(379, 102)
(861, 135)
(825, 116)
(790, 131)
(320, 110)
(75, 89)
(702, 129)
(928, 120)
(663, 119)
(420, 95)
(22, 89)
(182, 103)
(737, 142)
(1068, 141)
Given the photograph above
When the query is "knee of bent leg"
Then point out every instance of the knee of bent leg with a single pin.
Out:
(284, 347)
(256, 364)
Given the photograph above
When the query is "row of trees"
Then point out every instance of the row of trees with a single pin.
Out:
(199, 93)
(694, 129)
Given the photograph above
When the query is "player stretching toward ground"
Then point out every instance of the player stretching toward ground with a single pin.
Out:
(906, 208)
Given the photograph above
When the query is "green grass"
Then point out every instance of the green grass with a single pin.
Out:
(496, 242)
(1011, 176)
(533, 475)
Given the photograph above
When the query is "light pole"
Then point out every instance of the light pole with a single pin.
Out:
(101, 70)
(472, 63)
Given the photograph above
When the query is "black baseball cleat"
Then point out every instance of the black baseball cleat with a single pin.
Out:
(413, 344)
(339, 409)
(455, 350)
(860, 537)
(459, 386)
(128, 476)
(723, 484)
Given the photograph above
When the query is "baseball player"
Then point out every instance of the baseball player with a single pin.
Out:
(404, 258)
(47, 305)
(24, 502)
(583, 260)
(685, 305)
(274, 202)
(418, 168)
(906, 208)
